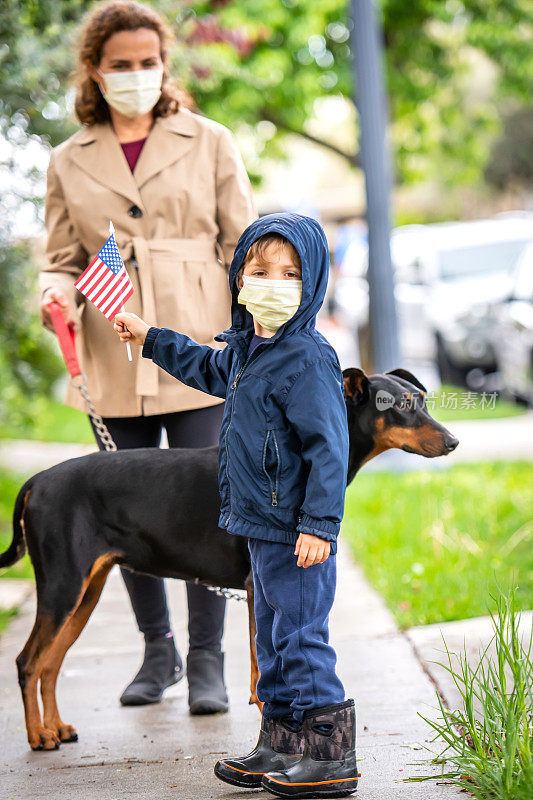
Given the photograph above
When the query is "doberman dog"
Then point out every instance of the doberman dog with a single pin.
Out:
(156, 511)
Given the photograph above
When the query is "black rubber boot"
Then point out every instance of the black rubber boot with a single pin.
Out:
(205, 673)
(328, 767)
(280, 744)
(162, 667)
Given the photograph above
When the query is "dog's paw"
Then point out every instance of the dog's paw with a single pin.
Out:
(67, 733)
(44, 739)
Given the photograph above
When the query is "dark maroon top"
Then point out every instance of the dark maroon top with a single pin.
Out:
(132, 151)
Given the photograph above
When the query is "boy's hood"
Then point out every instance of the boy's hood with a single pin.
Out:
(310, 242)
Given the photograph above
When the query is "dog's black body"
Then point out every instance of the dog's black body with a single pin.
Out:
(156, 511)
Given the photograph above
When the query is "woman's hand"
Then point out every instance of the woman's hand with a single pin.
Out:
(311, 550)
(62, 300)
(130, 328)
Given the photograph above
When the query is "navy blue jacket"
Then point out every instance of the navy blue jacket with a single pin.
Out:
(284, 437)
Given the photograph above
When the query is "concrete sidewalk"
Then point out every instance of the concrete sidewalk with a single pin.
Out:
(161, 752)
(468, 638)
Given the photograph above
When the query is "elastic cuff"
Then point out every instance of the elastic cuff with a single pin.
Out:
(148, 346)
(318, 527)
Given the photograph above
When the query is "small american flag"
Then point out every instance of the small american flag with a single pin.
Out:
(105, 282)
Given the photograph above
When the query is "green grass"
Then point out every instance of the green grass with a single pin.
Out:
(5, 616)
(433, 542)
(52, 421)
(451, 403)
(488, 746)
(9, 487)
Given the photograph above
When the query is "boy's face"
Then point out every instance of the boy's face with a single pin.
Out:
(277, 264)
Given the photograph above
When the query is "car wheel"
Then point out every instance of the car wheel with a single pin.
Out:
(520, 400)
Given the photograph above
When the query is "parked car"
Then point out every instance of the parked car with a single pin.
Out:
(446, 276)
(513, 334)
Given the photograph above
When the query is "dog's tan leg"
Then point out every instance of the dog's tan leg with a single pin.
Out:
(254, 677)
(29, 663)
(28, 667)
(62, 643)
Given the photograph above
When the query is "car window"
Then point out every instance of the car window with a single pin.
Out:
(480, 259)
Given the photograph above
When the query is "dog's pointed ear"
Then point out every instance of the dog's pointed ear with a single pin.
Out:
(355, 384)
(407, 376)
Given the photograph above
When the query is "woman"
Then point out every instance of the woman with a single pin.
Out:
(176, 190)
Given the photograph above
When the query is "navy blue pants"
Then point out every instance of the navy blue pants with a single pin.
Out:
(292, 605)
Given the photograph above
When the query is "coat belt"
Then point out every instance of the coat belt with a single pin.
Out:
(185, 249)
(140, 250)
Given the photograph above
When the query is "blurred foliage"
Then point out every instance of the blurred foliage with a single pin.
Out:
(28, 366)
(51, 421)
(264, 67)
(265, 64)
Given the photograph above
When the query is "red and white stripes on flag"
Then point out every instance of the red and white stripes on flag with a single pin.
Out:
(105, 282)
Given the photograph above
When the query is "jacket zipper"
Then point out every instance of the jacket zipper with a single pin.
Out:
(273, 486)
(234, 387)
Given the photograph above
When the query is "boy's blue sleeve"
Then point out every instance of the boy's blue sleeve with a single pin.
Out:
(198, 365)
(315, 408)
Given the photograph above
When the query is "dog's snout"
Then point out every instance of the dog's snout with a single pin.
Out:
(450, 443)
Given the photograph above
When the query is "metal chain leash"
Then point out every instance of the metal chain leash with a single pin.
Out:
(99, 424)
(229, 594)
(66, 335)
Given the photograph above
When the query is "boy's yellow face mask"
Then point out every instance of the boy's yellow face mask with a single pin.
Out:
(270, 302)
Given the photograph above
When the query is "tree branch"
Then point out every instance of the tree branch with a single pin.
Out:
(352, 158)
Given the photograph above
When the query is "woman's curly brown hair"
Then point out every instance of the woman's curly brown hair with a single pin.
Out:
(107, 19)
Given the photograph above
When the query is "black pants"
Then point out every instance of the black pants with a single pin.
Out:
(196, 428)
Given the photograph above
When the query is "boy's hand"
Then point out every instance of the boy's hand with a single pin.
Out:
(130, 328)
(311, 550)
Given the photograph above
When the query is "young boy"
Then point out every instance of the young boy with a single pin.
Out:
(282, 475)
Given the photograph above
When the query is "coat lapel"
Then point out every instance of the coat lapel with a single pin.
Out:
(100, 155)
(169, 140)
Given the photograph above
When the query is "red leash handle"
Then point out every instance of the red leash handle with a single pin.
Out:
(67, 338)
(67, 341)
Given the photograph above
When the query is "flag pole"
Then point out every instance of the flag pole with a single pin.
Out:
(128, 346)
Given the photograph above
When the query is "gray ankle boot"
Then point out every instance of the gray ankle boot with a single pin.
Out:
(205, 674)
(162, 667)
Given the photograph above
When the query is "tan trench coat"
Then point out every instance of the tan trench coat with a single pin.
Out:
(177, 219)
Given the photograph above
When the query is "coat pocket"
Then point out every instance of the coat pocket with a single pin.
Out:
(272, 465)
